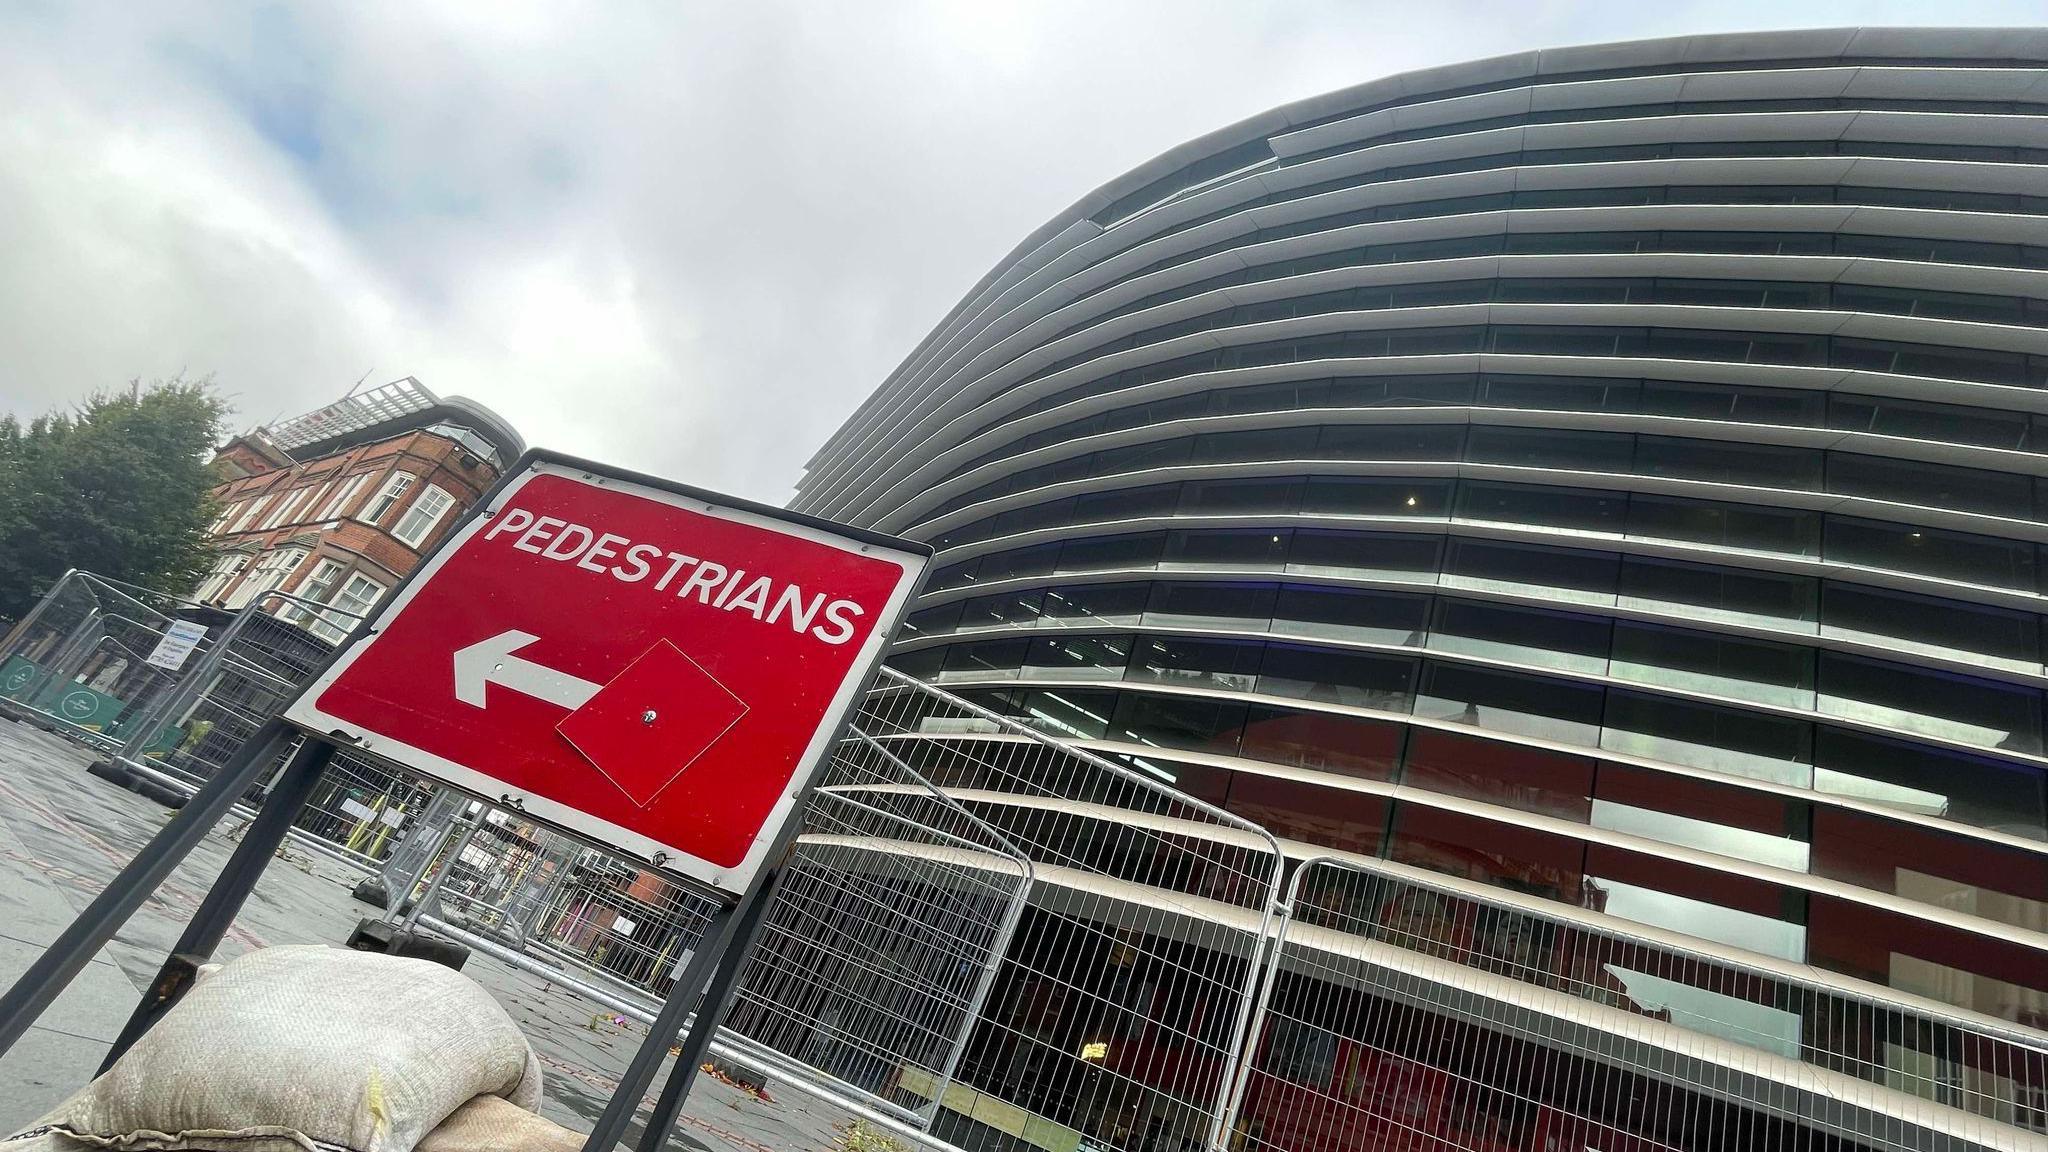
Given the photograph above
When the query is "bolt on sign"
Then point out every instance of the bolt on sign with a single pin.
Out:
(648, 666)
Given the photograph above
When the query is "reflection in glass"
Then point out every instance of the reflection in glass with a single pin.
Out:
(1739, 843)
(1745, 1022)
(1700, 918)
(1510, 702)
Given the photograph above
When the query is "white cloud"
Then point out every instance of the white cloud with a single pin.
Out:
(688, 238)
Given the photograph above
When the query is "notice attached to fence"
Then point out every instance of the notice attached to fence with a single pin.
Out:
(179, 640)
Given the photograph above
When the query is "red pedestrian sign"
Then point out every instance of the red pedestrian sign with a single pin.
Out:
(651, 667)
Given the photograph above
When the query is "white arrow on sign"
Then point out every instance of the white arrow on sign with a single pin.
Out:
(491, 662)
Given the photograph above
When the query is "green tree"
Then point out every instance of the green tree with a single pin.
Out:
(118, 486)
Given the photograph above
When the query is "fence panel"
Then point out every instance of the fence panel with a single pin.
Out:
(78, 661)
(1117, 1014)
(886, 929)
(1403, 1013)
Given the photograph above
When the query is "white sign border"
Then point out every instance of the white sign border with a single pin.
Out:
(306, 713)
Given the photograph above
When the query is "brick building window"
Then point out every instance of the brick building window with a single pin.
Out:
(388, 497)
(346, 495)
(269, 573)
(353, 602)
(318, 585)
(419, 520)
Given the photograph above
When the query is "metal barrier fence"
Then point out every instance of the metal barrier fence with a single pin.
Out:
(1116, 1017)
(1404, 1013)
(78, 662)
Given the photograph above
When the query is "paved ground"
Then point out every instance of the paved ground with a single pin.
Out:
(63, 834)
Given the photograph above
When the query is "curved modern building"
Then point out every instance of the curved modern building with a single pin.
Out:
(1614, 476)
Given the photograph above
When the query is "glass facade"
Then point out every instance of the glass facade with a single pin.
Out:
(1597, 514)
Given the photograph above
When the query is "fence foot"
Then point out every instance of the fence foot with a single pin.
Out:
(396, 939)
(109, 771)
(373, 891)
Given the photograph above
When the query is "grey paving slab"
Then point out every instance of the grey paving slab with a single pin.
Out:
(96, 1004)
(41, 1071)
(63, 835)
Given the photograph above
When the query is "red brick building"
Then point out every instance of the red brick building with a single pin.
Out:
(335, 506)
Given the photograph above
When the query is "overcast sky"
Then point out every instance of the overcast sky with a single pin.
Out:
(686, 237)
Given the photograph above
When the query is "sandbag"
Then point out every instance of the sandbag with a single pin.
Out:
(305, 1049)
(494, 1124)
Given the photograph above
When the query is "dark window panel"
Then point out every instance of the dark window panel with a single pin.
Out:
(1209, 785)
(1577, 509)
(1881, 614)
(1969, 306)
(1523, 635)
(1004, 608)
(1741, 403)
(1563, 572)
(1255, 444)
(1312, 813)
(1399, 391)
(1959, 708)
(924, 663)
(1726, 593)
(1241, 607)
(1935, 552)
(1189, 662)
(1365, 553)
(1560, 393)
(1783, 530)
(1052, 514)
(1375, 496)
(1925, 420)
(1685, 660)
(1734, 910)
(1102, 553)
(1390, 442)
(1068, 713)
(1731, 740)
(1930, 360)
(1262, 549)
(1952, 872)
(954, 575)
(931, 621)
(1510, 702)
(1333, 676)
(1351, 614)
(985, 659)
(1323, 741)
(1142, 457)
(1170, 721)
(1491, 852)
(1969, 970)
(1762, 465)
(964, 534)
(1281, 396)
(1086, 605)
(1036, 560)
(1551, 448)
(1931, 485)
(1729, 821)
(1127, 503)
(1981, 791)
(1239, 496)
(1078, 658)
(1507, 774)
